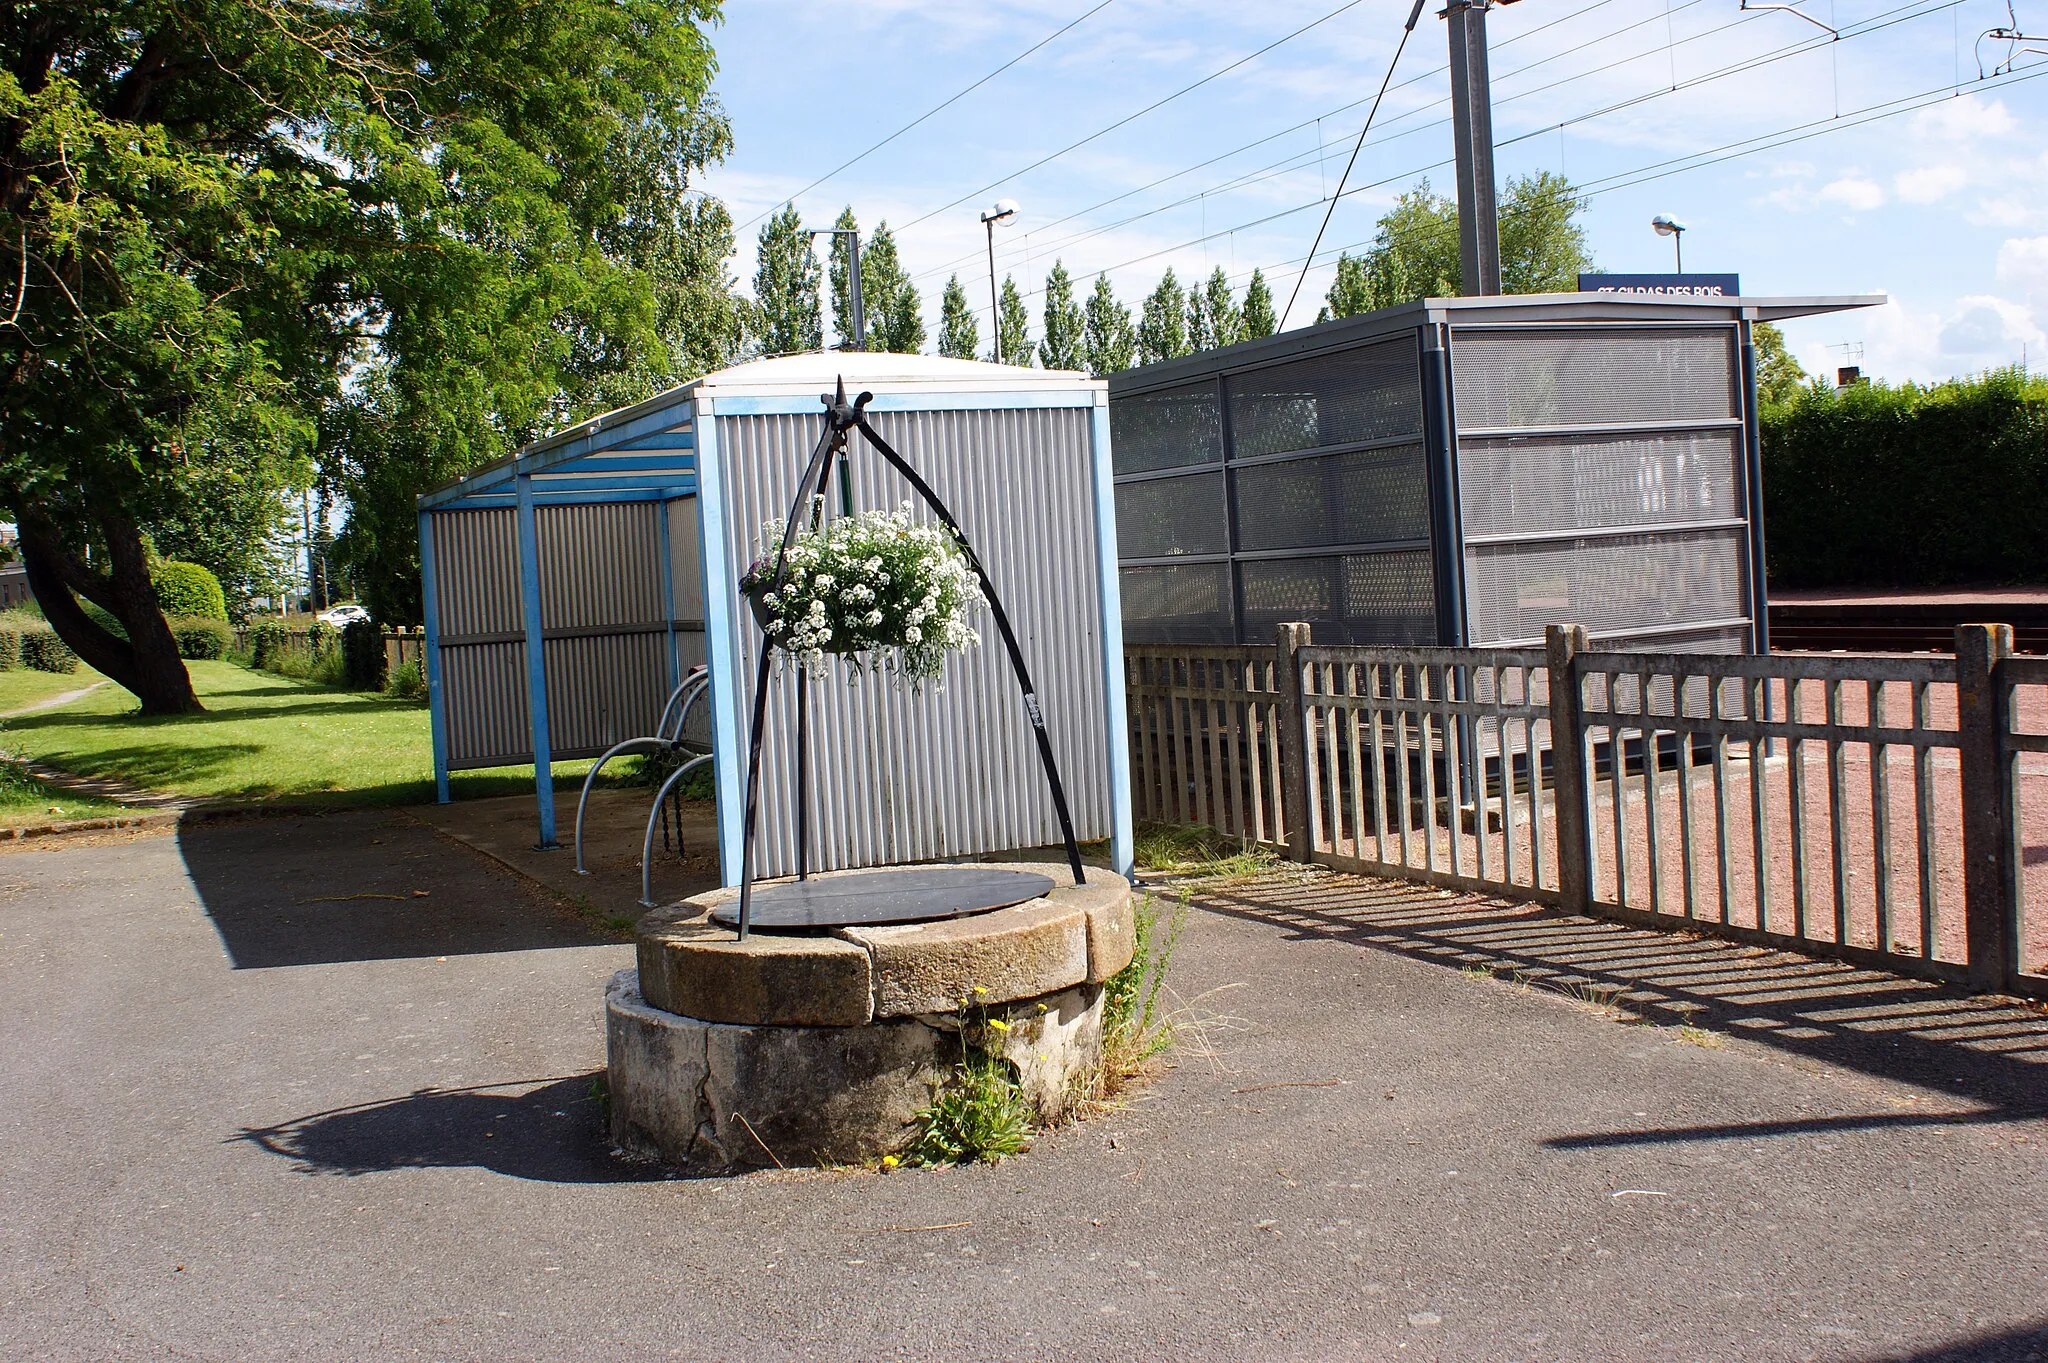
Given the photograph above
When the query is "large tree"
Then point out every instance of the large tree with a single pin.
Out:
(1257, 314)
(1013, 342)
(959, 333)
(786, 280)
(1061, 348)
(242, 222)
(1163, 326)
(1221, 316)
(895, 314)
(1415, 249)
(1108, 341)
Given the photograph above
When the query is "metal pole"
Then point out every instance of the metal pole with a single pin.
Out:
(1472, 125)
(858, 302)
(1678, 245)
(995, 307)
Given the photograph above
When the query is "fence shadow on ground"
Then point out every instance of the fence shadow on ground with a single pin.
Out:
(553, 1132)
(1982, 1052)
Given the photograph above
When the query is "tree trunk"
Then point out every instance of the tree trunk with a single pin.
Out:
(147, 661)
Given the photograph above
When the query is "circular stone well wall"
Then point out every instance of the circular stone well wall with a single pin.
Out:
(821, 1047)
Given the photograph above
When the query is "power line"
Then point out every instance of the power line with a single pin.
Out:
(1289, 161)
(1133, 117)
(1407, 32)
(937, 108)
(1654, 170)
(1295, 160)
(1883, 20)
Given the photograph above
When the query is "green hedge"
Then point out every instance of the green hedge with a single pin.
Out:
(189, 590)
(362, 655)
(202, 638)
(1877, 486)
(42, 650)
(10, 648)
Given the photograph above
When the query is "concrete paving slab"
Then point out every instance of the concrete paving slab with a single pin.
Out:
(239, 1126)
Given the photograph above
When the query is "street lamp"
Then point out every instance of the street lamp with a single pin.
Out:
(1668, 226)
(853, 285)
(1002, 211)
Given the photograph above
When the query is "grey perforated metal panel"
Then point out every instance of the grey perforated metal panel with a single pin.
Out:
(1522, 485)
(1349, 599)
(1180, 603)
(1158, 517)
(1541, 376)
(1345, 398)
(1363, 497)
(1166, 429)
(1609, 585)
(898, 776)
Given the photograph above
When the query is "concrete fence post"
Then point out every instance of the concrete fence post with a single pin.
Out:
(1990, 901)
(1292, 718)
(1562, 645)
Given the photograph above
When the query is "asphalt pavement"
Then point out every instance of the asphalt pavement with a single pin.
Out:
(313, 1088)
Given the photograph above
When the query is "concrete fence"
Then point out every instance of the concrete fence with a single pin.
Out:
(1887, 810)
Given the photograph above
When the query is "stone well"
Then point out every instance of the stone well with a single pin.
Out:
(820, 1046)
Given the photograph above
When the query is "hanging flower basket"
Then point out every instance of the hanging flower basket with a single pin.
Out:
(886, 592)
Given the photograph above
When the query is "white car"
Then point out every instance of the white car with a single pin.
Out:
(339, 616)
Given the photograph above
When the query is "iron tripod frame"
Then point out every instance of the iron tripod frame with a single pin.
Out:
(841, 418)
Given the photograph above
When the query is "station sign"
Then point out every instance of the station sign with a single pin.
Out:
(1663, 285)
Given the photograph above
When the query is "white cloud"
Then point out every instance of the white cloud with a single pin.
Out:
(2023, 265)
(1987, 331)
(1854, 193)
(1929, 184)
(1964, 120)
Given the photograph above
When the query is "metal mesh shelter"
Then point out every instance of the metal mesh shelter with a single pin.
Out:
(1455, 471)
(569, 587)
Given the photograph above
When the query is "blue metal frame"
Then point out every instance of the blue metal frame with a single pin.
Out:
(1109, 589)
(1753, 476)
(430, 658)
(536, 662)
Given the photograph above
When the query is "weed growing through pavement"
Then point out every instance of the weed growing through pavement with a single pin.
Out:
(979, 1111)
(1700, 1036)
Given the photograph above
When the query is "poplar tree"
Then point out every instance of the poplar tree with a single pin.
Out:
(894, 311)
(1258, 315)
(1163, 329)
(1219, 309)
(1014, 344)
(1200, 336)
(1062, 346)
(840, 271)
(786, 279)
(1108, 342)
(959, 335)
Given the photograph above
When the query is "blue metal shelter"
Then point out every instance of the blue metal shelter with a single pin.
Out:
(568, 587)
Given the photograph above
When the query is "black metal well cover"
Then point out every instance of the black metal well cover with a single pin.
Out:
(906, 894)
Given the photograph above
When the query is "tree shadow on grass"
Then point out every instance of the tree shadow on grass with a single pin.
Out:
(551, 1133)
(155, 766)
(67, 718)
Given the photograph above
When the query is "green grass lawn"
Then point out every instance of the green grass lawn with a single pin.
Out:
(262, 737)
(21, 686)
(25, 800)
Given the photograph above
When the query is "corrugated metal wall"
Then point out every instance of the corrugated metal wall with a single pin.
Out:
(604, 626)
(897, 777)
(1601, 481)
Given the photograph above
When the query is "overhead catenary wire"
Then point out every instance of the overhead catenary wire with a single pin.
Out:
(1407, 31)
(1291, 161)
(1886, 19)
(938, 108)
(1135, 115)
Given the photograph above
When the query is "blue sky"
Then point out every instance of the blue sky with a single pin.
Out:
(1876, 162)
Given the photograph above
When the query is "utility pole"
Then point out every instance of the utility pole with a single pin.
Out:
(1472, 125)
(854, 305)
(1003, 211)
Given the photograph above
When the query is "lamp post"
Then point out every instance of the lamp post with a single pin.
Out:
(1668, 226)
(853, 283)
(1003, 211)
